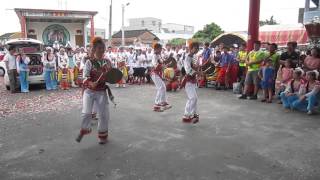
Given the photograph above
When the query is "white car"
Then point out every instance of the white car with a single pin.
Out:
(33, 49)
(2, 64)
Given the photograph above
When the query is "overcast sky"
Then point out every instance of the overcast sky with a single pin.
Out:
(231, 15)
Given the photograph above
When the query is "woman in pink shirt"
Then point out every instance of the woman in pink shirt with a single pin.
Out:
(312, 62)
(284, 76)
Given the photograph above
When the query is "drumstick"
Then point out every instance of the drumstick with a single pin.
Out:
(99, 77)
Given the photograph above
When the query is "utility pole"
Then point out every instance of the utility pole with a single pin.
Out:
(122, 28)
(110, 23)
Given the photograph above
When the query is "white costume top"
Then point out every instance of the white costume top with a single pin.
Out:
(149, 59)
(187, 65)
(49, 65)
(156, 59)
(141, 60)
(77, 59)
(63, 60)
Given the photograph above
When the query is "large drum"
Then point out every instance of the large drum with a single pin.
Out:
(169, 74)
(208, 68)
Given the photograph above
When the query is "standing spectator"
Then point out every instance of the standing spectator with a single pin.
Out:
(241, 58)
(254, 59)
(225, 72)
(206, 54)
(71, 64)
(11, 66)
(63, 69)
(141, 59)
(290, 54)
(312, 62)
(77, 58)
(49, 63)
(131, 65)
(274, 56)
(23, 70)
(149, 55)
(121, 64)
(111, 56)
(267, 74)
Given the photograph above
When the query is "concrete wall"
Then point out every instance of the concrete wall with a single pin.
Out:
(39, 27)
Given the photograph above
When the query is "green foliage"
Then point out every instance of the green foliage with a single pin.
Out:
(209, 32)
(177, 42)
(270, 21)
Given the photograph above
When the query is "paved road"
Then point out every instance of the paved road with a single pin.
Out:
(235, 140)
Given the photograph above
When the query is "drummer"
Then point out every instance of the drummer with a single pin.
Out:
(95, 92)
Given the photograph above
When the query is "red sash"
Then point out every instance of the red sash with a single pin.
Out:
(97, 75)
(157, 70)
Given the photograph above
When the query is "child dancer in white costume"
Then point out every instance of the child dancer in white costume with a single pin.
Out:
(161, 103)
(190, 84)
(95, 92)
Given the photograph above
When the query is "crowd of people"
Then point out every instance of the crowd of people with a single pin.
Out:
(289, 76)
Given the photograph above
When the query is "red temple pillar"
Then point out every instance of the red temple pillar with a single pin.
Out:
(23, 27)
(92, 28)
(253, 26)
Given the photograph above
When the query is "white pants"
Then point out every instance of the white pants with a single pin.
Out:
(191, 106)
(161, 89)
(99, 100)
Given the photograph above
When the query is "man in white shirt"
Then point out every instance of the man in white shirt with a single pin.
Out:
(121, 64)
(110, 56)
(11, 66)
(131, 59)
(149, 55)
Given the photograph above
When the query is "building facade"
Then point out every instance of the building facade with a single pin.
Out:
(177, 28)
(50, 26)
(152, 24)
(155, 25)
(134, 37)
(98, 32)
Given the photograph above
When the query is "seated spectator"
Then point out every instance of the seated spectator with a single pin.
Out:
(291, 93)
(309, 94)
(284, 76)
(290, 54)
(312, 62)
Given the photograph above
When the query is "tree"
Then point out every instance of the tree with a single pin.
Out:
(209, 32)
(177, 42)
(270, 21)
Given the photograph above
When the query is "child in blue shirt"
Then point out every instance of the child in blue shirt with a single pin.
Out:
(267, 76)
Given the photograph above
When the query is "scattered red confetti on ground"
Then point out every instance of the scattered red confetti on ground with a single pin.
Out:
(37, 101)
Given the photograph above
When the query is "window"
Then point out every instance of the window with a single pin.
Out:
(142, 23)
